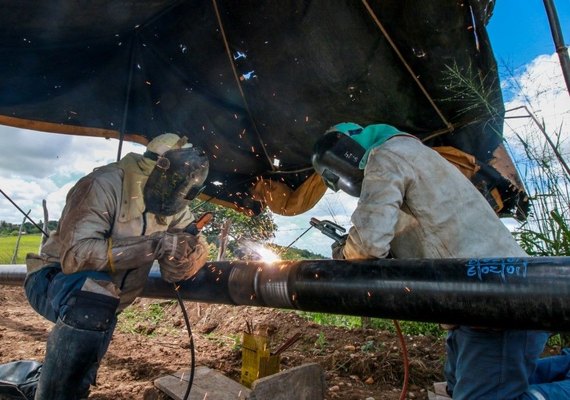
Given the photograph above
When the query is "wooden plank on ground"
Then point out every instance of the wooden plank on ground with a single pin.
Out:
(208, 384)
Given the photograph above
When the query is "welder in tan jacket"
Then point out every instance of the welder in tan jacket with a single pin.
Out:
(116, 222)
(415, 204)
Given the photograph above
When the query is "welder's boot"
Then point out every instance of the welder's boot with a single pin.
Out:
(76, 345)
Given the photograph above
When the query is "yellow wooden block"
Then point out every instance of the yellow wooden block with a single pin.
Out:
(257, 361)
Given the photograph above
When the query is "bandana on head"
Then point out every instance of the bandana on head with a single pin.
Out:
(370, 137)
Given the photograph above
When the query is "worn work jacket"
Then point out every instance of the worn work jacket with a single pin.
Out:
(103, 206)
(415, 204)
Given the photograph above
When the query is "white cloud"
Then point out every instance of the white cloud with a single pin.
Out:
(37, 165)
(334, 207)
(541, 87)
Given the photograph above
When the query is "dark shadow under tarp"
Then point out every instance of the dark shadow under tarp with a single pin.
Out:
(254, 82)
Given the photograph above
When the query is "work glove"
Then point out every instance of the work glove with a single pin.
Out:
(175, 246)
(338, 248)
(182, 257)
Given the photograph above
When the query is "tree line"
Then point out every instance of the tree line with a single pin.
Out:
(9, 229)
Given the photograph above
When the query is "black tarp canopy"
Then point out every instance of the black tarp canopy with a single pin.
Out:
(256, 82)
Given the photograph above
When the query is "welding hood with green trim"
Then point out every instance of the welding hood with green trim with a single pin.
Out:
(336, 158)
(177, 178)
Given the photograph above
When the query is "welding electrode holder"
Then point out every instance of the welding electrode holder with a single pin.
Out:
(330, 229)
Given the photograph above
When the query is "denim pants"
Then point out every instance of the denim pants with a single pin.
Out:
(49, 289)
(485, 364)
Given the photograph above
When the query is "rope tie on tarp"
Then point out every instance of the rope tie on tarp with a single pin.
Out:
(450, 127)
(229, 54)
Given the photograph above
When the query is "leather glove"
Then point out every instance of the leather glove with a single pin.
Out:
(338, 248)
(175, 246)
(181, 266)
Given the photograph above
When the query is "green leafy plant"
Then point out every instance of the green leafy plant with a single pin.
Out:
(321, 343)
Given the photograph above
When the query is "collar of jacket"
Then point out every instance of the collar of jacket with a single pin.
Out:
(373, 136)
(136, 169)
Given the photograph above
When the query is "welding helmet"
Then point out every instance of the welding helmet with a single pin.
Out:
(177, 177)
(336, 158)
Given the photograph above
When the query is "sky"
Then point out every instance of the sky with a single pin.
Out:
(36, 166)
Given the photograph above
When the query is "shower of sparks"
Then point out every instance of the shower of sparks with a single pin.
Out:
(267, 255)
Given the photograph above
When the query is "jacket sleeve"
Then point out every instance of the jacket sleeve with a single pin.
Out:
(386, 179)
(85, 226)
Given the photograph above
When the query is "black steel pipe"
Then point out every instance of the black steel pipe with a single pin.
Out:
(529, 293)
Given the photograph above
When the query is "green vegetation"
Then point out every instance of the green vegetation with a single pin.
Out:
(8, 229)
(233, 341)
(145, 321)
(321, 343)
(293, 253)
(351, 322)
(241, 227)
(28, 244)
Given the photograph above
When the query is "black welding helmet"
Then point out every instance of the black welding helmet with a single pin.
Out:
(177, 177)
(336, 158)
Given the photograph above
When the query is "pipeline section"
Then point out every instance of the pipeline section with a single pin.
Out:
(515, 293)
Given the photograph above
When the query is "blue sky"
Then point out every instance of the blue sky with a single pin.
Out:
(34, 165)
(519, 30)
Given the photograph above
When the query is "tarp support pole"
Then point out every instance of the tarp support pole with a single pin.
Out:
(558, 38)
(127, 95)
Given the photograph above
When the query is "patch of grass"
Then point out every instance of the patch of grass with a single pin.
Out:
(143, 321)
(370, 346)
(29, 243)
(346, 321)
(233, 340)
(321, 343)
(411, 328)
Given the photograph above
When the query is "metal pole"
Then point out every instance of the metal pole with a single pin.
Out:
(561, 48)
(516, 293)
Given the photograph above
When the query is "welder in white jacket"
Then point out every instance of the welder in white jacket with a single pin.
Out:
(117, 220)
(415, 204)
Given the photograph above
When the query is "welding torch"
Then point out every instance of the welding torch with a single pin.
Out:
(196, 226)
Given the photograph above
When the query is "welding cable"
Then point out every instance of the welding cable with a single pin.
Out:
(404, 391)
(192, 351)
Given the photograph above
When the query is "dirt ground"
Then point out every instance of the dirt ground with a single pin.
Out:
(359, 363)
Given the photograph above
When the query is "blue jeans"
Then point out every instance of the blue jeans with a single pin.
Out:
(49, 289)
(551, 380)
(485, 364)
